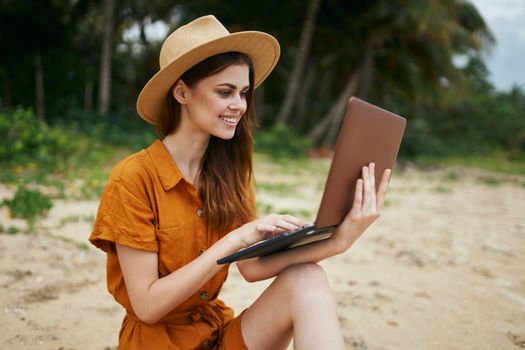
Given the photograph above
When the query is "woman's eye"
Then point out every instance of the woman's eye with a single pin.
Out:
(244, 94)
(225, 93)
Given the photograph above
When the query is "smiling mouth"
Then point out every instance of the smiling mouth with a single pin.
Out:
(229, 120)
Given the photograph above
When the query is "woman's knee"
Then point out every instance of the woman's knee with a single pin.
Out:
(304, 278)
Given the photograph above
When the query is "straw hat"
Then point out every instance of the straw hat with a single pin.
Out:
(193, 43)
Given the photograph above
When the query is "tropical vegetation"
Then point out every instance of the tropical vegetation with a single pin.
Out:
(71, 72)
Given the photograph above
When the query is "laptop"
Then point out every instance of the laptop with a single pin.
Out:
(368, 134)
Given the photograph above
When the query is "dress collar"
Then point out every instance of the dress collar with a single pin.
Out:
(167, 170)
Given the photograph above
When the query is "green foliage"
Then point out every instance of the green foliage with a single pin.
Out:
(12, 230)
(76, 218)
(451, 112)
(490, 181)
(496, 162)
(68, 219)
(28, 204)
(94, 183)
(443, 189)
(77, 147)
(281, 141)
(129, 132)
(31, 142)
(33, 148)
(264, 208)
(451, 176)
(466, 119)
(82, 246)
(277, 188)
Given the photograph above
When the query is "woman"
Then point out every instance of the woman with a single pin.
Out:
(169, 212)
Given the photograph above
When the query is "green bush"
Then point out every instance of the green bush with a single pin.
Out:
(129, 132)
(281, 141)
(28, 204)
(12, 230)
(30, 142)
(35, 150)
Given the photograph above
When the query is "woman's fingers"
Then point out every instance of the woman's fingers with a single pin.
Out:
(383, 186)
(294, 220)
(369, 195)
(279, 223)
(358, 197)
(371, 174)
(285, 225)
(372, 177)
(366, 183)
(366, 198)
(264, 227)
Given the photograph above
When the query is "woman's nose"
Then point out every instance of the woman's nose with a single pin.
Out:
(239, 102)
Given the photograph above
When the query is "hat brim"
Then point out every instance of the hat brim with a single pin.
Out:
(262, 49)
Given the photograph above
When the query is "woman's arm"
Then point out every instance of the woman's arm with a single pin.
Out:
(153, 297)
(365, 210)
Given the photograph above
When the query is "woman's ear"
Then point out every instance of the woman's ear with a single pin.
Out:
(179, 92)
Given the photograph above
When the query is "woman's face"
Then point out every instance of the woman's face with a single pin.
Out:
(216, 104)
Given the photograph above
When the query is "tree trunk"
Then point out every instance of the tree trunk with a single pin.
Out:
(143, 40)
(302, 56)
(340, 108)
(363, 81)
(88, 94)
(322, 93)
(335, 114)
(367, 73)
(104, 91)
(304, 110)
(39, 87)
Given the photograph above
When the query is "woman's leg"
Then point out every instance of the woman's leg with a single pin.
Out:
(298, 303)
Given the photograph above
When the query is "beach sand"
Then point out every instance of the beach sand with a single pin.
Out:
(443, 268)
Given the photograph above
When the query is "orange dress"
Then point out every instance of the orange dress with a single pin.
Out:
(147, 204)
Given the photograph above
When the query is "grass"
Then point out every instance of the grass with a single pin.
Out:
(300, 213)
(495, 163)
(489, 181)
(442, 189)
(12, 230)
(451, 177)
(277, 188)
(68, 220)
(76, 218)
(293, 166)
(264, 208)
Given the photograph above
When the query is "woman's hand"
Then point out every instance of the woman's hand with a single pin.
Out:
(365, 209)
(266, 227)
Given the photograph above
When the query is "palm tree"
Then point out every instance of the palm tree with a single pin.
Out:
(105, 58)
(300, 62)
(404, 44)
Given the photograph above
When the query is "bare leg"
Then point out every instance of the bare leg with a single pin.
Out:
(298, 304)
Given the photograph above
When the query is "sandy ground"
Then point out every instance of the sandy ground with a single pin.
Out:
(443, 268)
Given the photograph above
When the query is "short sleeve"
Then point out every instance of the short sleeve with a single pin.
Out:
(125, 216)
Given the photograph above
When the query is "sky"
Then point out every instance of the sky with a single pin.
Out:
(506, 60)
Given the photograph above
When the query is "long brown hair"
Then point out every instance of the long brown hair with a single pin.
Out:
(225, 179)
